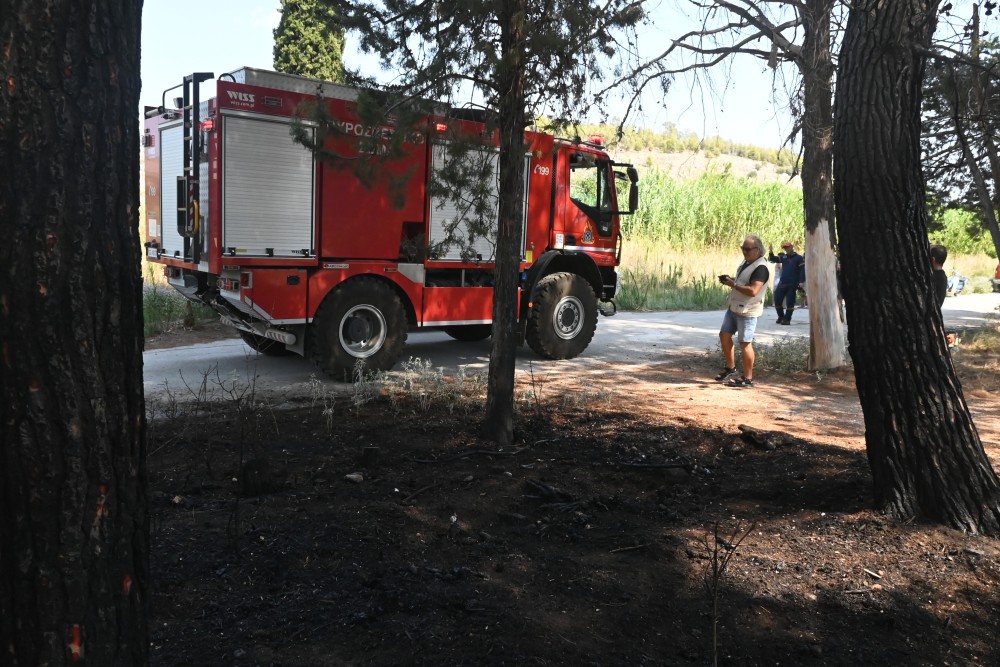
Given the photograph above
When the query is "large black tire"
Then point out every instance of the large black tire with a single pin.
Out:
(362, 320)
(266, 346)
(563, 316)
(470, 333)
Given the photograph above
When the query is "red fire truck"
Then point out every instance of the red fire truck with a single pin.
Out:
(304, 256)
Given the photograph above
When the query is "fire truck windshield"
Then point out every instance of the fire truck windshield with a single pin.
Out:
(590, 191)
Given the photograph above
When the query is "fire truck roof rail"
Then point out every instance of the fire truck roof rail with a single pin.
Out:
(291, 83)
(589, 141)
(477, 114)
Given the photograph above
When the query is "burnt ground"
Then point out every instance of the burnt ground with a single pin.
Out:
(389, 533)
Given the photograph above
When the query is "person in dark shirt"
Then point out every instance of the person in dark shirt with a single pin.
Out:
(939, 254)
(793, 278)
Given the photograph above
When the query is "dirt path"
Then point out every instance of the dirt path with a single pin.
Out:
(820, 408)
(678, 383)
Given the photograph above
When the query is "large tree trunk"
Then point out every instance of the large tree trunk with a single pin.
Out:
(926, 458)
(499, 422)
(826, 340)
(73, 521)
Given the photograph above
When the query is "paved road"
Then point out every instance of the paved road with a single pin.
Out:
(627, 338)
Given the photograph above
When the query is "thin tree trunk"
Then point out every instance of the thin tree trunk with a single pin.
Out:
(826, 340)
(979, 94)
(499, 422)
(926, 458)
(73, 520)
(985, 198)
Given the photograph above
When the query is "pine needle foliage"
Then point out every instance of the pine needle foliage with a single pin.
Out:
(454, 50)
(309, 41)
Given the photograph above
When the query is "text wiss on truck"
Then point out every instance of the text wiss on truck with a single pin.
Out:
(304, 257)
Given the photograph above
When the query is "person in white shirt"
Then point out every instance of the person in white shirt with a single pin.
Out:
(744, 304)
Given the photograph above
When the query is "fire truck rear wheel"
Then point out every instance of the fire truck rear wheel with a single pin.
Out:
(266, 346)
(470, 333)
(360, 321)
(563, 316)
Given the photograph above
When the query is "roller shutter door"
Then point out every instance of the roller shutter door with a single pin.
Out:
(447, 211)
(268, 190)
(171, 166)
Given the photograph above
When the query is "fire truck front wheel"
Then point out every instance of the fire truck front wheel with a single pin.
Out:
(360, 321)
(563, 316)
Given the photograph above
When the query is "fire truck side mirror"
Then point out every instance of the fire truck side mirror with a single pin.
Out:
(633, 197)
(633, 189)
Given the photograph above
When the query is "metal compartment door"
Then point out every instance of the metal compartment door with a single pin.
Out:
(268, 197)
(171, 166)
(452, 210)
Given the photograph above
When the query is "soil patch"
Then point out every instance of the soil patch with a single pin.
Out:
(206, 331)
(342, 532)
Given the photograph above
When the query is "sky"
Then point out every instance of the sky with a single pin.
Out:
(184, 36)
(735, 102)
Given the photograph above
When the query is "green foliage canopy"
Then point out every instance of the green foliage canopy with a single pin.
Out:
(960, 231)
(714, 211)
(309, 41)
(453, 49)
(956, 129)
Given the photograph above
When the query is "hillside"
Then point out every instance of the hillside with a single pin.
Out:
(688, 165)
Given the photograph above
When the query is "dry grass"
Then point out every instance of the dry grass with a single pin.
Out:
(978, 359)
(646, 256)
(978, 268)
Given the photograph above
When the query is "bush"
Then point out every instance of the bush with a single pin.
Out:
(716, 210)
(163, 308)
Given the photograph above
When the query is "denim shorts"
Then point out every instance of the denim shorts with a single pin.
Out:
(741, 324)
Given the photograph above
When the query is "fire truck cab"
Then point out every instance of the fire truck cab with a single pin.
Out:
(316, 257)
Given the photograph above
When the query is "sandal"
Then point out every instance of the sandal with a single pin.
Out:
(741, 382)
(725, 374)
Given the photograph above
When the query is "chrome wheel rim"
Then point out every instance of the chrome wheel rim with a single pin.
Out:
(568, 319)
(362, 331)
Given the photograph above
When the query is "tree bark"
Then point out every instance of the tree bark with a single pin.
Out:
(926, 458)
(826, 340)
(499, 422)
(73, 520)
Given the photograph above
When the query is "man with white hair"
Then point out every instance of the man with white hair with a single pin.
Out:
(744, 304)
